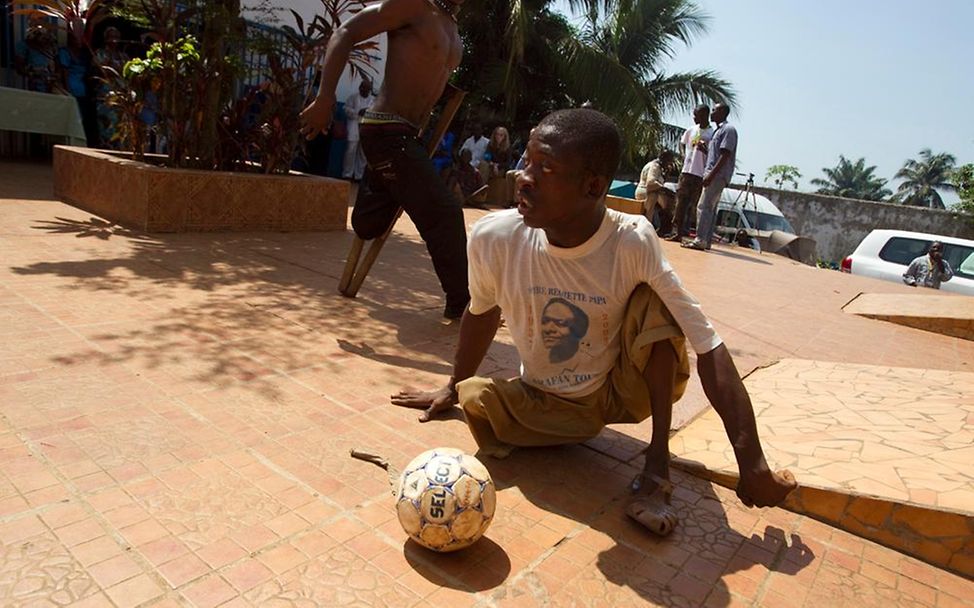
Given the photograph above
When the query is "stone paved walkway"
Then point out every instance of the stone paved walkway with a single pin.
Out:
(883, 452)
(176, 413)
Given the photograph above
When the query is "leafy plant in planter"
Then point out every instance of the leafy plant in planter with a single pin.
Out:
(205, 124)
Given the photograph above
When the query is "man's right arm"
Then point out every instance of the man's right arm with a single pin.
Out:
(476, 335)
(910, 276)
(368, 23)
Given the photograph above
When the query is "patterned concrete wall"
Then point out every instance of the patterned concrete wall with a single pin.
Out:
(838, 225)
(156, 199)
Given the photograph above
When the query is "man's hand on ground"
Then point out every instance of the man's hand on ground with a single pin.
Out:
(764, 488)
(431, 402)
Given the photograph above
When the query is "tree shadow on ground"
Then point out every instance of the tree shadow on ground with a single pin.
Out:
(92, 227)
(218, 308)
(687, 568)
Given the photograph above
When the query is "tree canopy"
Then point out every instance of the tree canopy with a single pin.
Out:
(782, 175)
(524, 60)
(852, 180)
(923, 177)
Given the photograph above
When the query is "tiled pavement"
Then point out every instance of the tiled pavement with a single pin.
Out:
(176, 413)
(883, 452)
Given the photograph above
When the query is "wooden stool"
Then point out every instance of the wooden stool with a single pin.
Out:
(355, 273)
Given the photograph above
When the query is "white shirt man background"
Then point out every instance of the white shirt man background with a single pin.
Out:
(694, 145)
(355, 107)
(477, 144)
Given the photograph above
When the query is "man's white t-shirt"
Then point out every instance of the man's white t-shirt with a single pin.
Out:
(565, 306)
(477, 149)
(695, 159)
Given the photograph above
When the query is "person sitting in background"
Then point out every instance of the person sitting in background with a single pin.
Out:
(497, 158)
(465, 182)
(653, 193)
(476, 143)
(929, 270)
(443, 157)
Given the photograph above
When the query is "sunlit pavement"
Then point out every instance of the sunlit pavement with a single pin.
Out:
(176, 414)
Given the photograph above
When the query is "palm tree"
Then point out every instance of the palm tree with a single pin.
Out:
(922, 178)
(852, 180)
(523, 60)
(511, 63)
(617, 58)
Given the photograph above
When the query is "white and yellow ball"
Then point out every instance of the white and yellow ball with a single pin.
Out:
(445, 499)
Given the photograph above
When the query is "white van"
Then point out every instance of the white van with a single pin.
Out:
(754, 213)
(885, 254)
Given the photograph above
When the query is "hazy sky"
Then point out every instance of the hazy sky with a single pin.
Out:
(862, 78)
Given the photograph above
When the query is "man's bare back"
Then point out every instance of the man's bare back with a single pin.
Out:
(424, 49)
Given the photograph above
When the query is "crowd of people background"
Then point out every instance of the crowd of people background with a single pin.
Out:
(467, 170)
(72, 69)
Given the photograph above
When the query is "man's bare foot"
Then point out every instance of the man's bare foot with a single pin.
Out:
(651, 504)
(763, 488)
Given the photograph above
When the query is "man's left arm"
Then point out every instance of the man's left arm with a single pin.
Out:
(946, 272)
(759, 486)
(725, 390)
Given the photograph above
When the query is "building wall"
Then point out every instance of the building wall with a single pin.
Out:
(839, 224)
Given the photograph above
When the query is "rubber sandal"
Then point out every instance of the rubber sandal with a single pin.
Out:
(647, 510)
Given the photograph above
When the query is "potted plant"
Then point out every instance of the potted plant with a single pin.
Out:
(190, 75)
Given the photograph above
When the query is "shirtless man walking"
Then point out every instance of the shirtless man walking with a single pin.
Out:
(424, 49)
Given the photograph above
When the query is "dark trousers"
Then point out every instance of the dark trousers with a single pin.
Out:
(687, 194)
(400, 174)
(89, 120)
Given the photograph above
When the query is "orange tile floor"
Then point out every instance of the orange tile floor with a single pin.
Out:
(176, 413)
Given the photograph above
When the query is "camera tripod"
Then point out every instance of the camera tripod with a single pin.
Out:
(747, 194)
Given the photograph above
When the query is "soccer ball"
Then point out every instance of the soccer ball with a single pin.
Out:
(445, 499)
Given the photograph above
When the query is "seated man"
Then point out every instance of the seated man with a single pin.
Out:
(599, 319)
(464, 181)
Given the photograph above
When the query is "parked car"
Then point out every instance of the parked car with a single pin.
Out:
(885, 254)
(753, 213)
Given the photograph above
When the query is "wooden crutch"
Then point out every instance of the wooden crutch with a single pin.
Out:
(352, 277)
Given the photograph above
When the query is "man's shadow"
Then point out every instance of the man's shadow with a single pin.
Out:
(686, 568)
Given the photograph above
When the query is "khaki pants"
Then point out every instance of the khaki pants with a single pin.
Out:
(504, 413)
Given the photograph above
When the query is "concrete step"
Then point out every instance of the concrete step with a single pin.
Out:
(950, 315)
(884, 453)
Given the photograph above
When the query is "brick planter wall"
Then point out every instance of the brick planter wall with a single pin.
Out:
(158, 199)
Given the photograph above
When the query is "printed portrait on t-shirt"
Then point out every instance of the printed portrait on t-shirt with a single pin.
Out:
(563, 325)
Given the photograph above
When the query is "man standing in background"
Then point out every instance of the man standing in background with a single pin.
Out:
(721, 156)
(355, 107)
(693, 147)
(929, 270)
